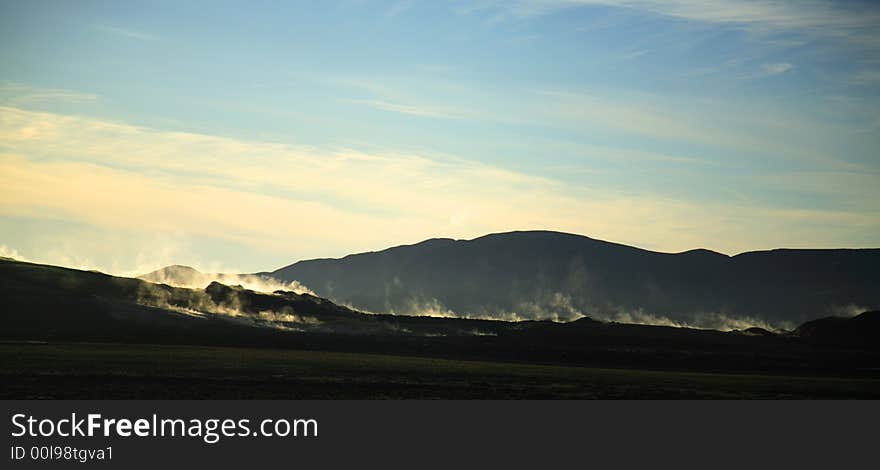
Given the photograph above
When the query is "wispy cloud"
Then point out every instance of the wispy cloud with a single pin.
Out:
(776, 68)
(853, 21)
(420, 111)
(398, 7)
(404, 99)
(777, 22)
(763, 71)
(633, 156)
(848, 28)
(740, 128)
(129, 33)
(634, 54)
(866, 77)
(17, 94)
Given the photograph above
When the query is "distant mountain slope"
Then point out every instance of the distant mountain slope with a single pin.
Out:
(539, 274)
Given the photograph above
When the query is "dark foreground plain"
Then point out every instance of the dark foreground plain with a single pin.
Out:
(118, 371)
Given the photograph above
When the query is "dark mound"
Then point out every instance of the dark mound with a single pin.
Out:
(861, 330)
(757, 331)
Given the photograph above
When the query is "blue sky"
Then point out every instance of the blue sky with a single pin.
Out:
(247, 135)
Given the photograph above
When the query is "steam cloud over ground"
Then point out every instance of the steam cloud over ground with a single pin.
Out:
(184, 276)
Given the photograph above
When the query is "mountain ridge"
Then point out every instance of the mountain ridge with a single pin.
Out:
(546, 274)
(691, 250)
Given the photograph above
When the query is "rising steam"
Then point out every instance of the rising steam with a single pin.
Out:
(198, 303)
(558, 307)
(186, 277)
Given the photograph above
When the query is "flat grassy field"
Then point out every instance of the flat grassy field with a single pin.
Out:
(120, 371)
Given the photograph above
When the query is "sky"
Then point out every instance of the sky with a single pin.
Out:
(244, 136)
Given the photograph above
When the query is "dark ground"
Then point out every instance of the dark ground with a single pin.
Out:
(117, 371)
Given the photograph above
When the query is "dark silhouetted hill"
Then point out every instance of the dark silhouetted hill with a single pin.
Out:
(861, 330)
(539, 274)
